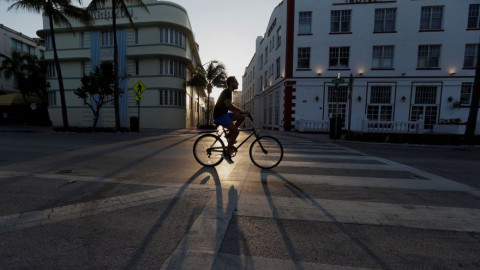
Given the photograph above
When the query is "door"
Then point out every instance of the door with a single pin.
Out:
(425, 105)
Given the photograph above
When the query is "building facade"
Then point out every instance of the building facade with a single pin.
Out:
(159, 51)
(380, 65)
(11, 40)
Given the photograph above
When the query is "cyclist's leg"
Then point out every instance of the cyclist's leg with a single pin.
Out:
(226, 121)
(238, 119)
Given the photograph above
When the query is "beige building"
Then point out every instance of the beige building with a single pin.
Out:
(160, 52)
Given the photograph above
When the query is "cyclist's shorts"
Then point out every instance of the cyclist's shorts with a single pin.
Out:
(225, 120)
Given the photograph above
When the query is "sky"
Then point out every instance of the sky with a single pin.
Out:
(225, 30)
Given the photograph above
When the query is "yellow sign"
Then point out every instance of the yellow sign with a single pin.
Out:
(139, 98)
(139, 88)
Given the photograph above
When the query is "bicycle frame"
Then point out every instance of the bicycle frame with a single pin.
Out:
(252, 129)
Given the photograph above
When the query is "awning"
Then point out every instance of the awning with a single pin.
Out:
(17, 99)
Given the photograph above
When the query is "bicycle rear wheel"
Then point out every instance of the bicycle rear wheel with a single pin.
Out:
(208, 150)
(266, 152)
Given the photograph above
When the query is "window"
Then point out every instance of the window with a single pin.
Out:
(137, 67)
(340, 21)
(382, 57)
(16, 45)
(52, 98)
(474, 16)
(261, 83)
(82, 39)
(136, 36)
(173, 98)
(172, 37)
(83, 68)
(107, 38)
(385, 19)
(305, 22)
(266, 55)
(51, 72)
(278, 68)
(172, 67)
(466, 93)
(265, 79)
(303, 58)
(428, 56)
(48, 42)
(471, 52)
(339, 57)
(425, 95)
(279, 37)
(379, 107)
(431, 18)
(31, 50)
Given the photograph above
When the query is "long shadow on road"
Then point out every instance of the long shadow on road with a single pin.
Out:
(202, 176)
(300, 193)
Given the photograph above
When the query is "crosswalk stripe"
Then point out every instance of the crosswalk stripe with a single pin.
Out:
(330, 156)
(318, 150)
(359, 212)
(363, 181)
(305, 164)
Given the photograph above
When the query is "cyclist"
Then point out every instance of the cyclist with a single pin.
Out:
(230, 120)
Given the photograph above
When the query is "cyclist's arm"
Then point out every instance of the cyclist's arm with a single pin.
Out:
(233, 108)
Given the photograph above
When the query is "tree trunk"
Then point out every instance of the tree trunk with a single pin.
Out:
(208, 109)
(115, 68)
(59, 75)
(96, 114)
(472, 116)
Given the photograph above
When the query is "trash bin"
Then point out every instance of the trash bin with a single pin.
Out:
(336, 123)
(134, 124)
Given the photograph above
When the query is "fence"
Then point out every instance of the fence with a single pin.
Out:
(312, 125)
(415, 127)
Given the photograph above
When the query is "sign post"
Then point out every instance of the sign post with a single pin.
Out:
(139, 88)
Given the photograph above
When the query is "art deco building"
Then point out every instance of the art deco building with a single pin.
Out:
(375, 63)
(159, 51)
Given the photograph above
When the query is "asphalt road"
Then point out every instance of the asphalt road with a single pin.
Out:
(140, 201)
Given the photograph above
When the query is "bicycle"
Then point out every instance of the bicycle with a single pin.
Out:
(266, 152)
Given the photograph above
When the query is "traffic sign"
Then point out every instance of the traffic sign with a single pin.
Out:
(338, 81)
(139, 98)
(139, 88)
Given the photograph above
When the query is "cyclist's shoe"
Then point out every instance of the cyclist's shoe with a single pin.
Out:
(227, 157)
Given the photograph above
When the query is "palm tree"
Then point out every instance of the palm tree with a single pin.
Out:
(15, 66)
(58, 13)
(122, 5)
(213, 76)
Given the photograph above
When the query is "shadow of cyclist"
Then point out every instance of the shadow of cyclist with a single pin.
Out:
(195, 182)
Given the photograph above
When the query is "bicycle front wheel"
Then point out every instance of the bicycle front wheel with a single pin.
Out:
(266, 152)
(208, 150)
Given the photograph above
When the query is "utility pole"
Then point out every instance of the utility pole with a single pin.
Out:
(472, 116)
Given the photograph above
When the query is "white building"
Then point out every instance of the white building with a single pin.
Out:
(11, 40)
(411, 62)
(160, 51)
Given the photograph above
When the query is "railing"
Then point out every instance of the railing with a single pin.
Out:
(392, 126)
(312, 125)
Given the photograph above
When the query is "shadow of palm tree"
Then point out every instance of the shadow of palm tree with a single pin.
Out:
(300, 193)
